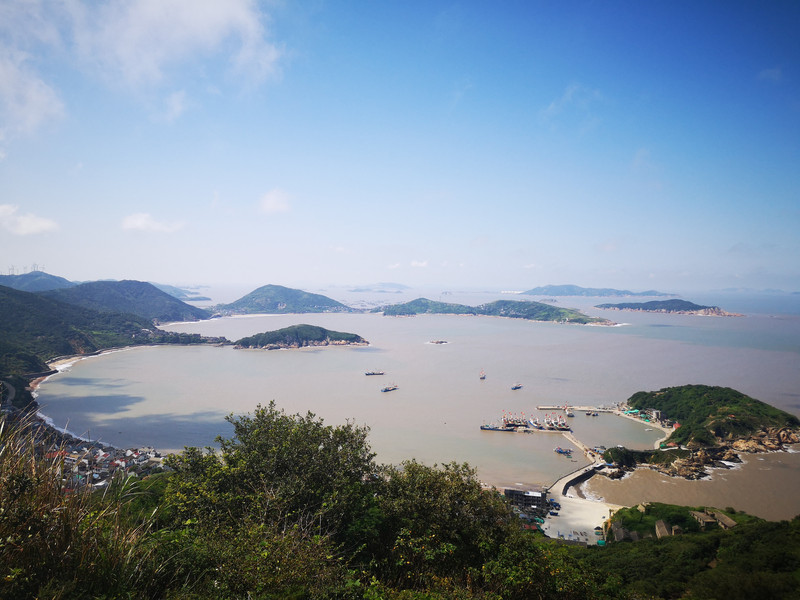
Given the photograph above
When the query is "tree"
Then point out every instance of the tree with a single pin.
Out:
(283, 468)
(438, 523)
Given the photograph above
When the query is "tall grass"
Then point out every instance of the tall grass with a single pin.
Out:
(57, 542)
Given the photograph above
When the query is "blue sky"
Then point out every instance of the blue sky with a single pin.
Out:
(453, 144)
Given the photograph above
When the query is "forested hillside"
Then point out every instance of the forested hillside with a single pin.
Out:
(135, 297)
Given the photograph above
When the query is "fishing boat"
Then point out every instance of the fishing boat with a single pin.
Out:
(496, 428)
(564, 451)
(389, 388)
(374, 373)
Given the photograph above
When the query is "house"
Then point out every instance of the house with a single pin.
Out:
(703, 518)
(724, 520)
(533, 498)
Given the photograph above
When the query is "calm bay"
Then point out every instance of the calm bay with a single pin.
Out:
(171, 397)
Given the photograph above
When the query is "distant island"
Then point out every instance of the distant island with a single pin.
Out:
(575, 290)
(682, 307)
(277, 299)
(299, 336)
(709, 424)
(535, 311)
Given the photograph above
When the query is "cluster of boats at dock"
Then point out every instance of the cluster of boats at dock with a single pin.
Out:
(550, 422)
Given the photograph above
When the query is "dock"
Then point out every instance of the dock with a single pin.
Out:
(577, 408)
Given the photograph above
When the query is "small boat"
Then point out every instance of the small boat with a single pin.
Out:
(564, 451)
(438, 341)
(483, 375)
(374, 373)
(389, 388)
(517, 386)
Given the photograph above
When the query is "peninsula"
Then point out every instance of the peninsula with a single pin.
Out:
(709, 424)
(300, 336)
(681, 307)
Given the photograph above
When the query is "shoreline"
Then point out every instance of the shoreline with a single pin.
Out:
(587, 501)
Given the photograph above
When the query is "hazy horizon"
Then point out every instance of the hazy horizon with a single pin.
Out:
(628, 145)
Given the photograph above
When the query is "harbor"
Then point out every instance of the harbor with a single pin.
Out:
(576, 519)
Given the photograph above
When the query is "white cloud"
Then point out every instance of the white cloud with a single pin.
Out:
(26, 101)
(145, 222)
(394, 266)
(274, 201)
(26, 224)
(419, 263)
(140, 40)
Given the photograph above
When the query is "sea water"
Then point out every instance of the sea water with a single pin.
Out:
(171, 397)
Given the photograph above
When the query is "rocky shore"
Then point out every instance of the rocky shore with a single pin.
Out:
(695, 464)
(303, 344)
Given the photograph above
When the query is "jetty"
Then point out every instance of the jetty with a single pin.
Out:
(598, 409)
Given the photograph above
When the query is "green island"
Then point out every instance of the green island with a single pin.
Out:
(276, 299)
(683, 307)
(710, 424)
(515, 309)
(299, 336)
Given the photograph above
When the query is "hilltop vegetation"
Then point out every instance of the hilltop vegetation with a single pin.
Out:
(535, 311)
(709, 415)
(756, 559)
(297, 336)
(274, 299)
(135, 297)
(289, 507)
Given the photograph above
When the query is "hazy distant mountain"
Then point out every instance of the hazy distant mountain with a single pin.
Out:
(381, 288)
(35, 281)
(278, 299)
(515, 309)
(135, 297)
(575, 290)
